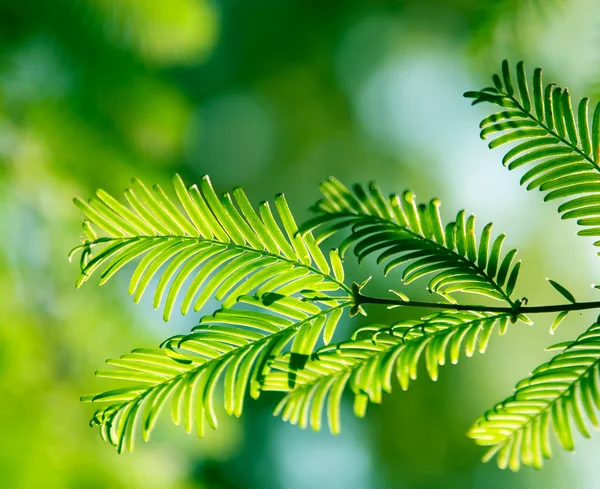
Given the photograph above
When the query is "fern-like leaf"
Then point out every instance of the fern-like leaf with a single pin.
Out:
(221, 244)
(367, 364)
(559, 393)
(266, 277)
(402, 232)
(560, 146)
(237, 345)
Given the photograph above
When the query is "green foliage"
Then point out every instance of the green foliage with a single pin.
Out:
(403, 232)
(562, 150)
(366, 365)
(562, 290)
(259, 272)
(561, 147)
(562, 391)
(239, 345)
(230, 251)
(281, 299)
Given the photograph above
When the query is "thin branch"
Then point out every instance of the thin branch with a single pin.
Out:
(518, 309)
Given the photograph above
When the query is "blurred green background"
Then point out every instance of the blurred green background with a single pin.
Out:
(271, 95)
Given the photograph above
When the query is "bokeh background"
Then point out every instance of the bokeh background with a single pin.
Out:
(271, 95)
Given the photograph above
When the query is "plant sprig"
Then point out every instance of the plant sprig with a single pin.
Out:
(281, 298)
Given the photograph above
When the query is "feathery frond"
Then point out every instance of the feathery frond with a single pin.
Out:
(237, 345)
(279, 296)
(560, 147)
(261, 273)
(221, 245)
(562, 391)
(366, 365)
(402, 232)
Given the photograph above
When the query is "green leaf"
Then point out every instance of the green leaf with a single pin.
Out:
(402, 233)
(562, 291)
(336, 264)
(560, 148)
(222, 245)
(234, 344)
(558, 320)
(558, 394)
(366, 364)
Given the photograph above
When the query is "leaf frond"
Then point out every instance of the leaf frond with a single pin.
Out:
(559, 145)
(559, 394)
(220, 245)
(367, 364)
(402, 232)
(235, 345)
